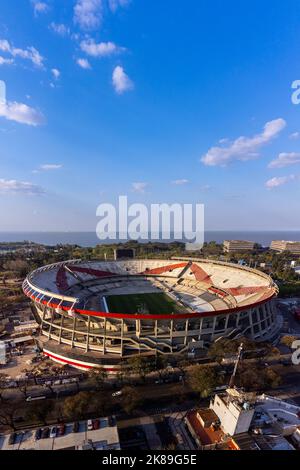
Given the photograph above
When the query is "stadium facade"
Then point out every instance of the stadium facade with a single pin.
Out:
(100, 313)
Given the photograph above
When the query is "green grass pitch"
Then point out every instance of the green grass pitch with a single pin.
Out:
(152, 304)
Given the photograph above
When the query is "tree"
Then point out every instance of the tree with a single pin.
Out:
(39, 411)
(77, 405)
(120, 376)
(97, 378)
(250, 378)
(141, 366)
(19, 266)
(23, 387)
(8, 414)
(288, 340)
(272, 379)
(100, 403)
(203, 380)
(219, 349)
(131, 399)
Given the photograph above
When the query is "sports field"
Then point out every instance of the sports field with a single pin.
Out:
(152, 304)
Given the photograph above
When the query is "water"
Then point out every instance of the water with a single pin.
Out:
(86, 239)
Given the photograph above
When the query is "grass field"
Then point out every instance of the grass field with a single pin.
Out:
(153, 304)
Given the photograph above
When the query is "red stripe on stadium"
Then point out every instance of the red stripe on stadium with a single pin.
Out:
(78, 364)
(246, 290)
(164, 269)
(200, 274)
(61, 279)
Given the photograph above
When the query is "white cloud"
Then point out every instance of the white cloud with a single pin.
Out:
(243, 148)
(139, 187)
(180, 182)
(121, 81)
(51, 166)
(4, 61)
(285, 159)
(101, 49)
(21, 187)
(88, 14)
(84, 64)
(55, 73)
(295, 135)
(60, 29)
(39, 7)
(30, 53)
(21, 113)
(279, 181)
(205, 187)
(115, 4)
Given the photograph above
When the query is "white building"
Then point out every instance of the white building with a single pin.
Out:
(235, 411)
(237, 246)
(283, 245)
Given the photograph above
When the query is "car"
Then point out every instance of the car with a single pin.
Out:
(38, 434)
(61, 429)
(110, 421)
(96, 424)
(75, 427)
(45, 433)
(159, 381)
(90, 425)
(12, 438)
(53, 432)
(117, 394)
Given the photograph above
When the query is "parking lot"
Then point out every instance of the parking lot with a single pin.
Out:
(106, 436)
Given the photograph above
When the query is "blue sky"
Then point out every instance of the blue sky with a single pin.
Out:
(162, 100)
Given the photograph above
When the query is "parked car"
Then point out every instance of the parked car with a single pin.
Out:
(90, 425)
(38, 434)
(75, 427)
(53, 432)
(61, 429)
(45, 433)
(12, 438)
(96, 424)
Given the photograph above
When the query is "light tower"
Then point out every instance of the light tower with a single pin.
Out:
(236, 363)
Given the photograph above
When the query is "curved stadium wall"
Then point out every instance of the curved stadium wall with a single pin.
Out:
(96, 314)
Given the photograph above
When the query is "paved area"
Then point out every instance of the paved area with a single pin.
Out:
(17, 364)
(106, 437)
(148, 424)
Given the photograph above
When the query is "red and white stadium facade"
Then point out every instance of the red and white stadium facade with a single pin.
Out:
(216, 300)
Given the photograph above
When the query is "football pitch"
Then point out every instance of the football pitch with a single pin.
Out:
(152, 304)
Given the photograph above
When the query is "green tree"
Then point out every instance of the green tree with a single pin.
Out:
(131, 399)
(272, 378)
(203, 379)
(97, 378)
(141, 366)
(288, 340)
(76, 406)
(39, 411)
(8, 414)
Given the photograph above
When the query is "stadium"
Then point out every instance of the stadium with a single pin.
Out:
(100, 313)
